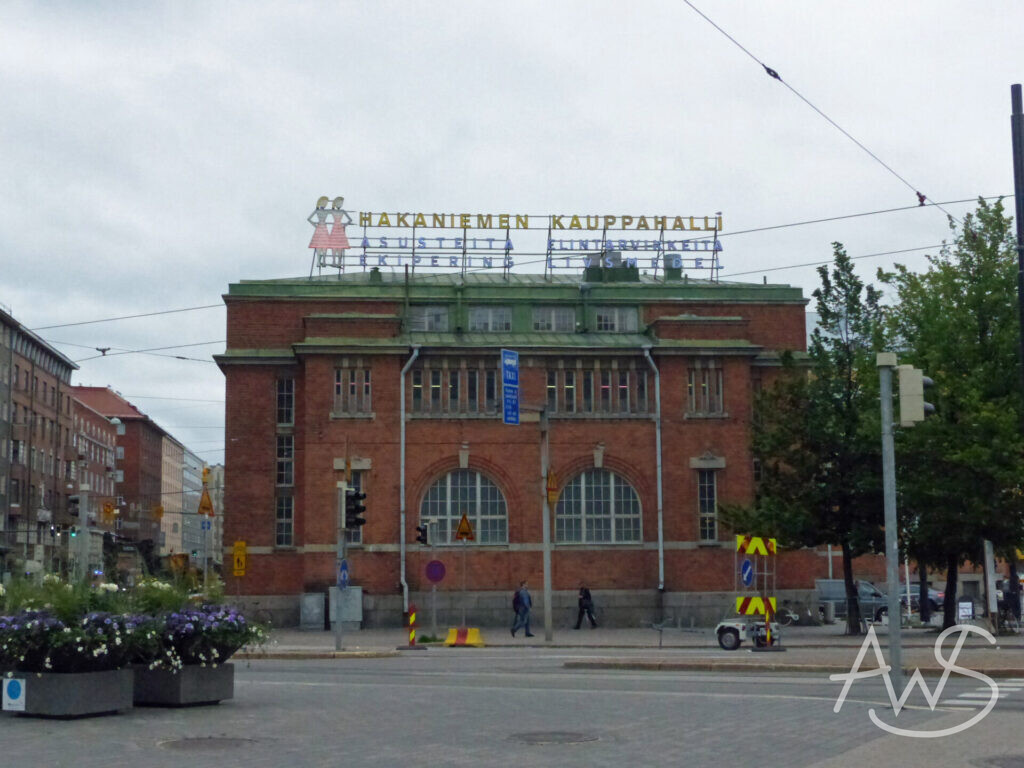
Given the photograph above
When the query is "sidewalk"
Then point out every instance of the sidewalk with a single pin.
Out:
(808, 649)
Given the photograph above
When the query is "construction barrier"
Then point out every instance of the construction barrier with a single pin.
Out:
(755, 606)
(465, 636)
(755, 545)
(412, 624)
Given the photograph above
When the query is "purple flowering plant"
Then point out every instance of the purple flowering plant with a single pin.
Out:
(37, 641)
(206, 635)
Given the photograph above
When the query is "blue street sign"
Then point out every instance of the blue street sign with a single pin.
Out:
(343, 574)
(747, 572)
(206, 524)
(509, 367)
(510, 386)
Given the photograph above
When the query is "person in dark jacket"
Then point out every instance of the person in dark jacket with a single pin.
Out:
(522, 605)
(586, 604)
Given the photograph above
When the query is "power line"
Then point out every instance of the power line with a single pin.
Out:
(185, 399)
(776, 76)
(819, 263)
(154, 349)
(126, 317)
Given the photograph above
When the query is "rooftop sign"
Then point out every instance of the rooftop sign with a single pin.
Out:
(505, 240)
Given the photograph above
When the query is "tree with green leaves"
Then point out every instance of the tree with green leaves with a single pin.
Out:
(816, 433)
(960, 472)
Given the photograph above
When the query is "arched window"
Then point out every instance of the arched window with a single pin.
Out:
(466, 492)
(597, 507)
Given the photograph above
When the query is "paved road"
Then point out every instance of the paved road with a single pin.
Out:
(456, 707)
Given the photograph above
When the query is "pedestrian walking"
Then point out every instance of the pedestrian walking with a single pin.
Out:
(521, 604)
(586, 604)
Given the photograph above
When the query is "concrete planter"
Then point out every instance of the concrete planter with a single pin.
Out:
(69, 694)
(190, 686)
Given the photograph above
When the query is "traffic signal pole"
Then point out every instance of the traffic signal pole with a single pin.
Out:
(338, 630)
(886, 361)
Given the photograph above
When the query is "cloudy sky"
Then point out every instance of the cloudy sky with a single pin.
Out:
(154, 153)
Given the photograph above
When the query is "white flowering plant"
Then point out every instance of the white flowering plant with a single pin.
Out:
(206, 635)
(37, 641)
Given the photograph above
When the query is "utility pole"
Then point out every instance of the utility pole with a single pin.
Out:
(886, 361)
(545, 463)
(342, 495)
(1017, 134)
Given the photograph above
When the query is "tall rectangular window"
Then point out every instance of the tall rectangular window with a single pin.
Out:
(285, 460)
(556, 319)
(704, 391)
(435, 391)
(707, 505)
(352, 390)
(490, 318)
(623, 392)
(284, 522)
(588, 391)
(453, 391)
(552, 391)
(569, 391)
(490, 390)
(417, 390)
(286, 401)
(472, 392)
(641, 391)
(606, 391)
(429, 318)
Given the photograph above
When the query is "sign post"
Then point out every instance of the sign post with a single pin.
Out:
(464, 533)
(435, 573)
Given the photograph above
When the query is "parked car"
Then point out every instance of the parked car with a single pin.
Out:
(935, 597)
(873, 603)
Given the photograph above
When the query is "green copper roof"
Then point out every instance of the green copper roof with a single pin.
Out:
(511, 287)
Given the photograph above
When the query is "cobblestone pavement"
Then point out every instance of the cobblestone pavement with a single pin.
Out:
(507, 706)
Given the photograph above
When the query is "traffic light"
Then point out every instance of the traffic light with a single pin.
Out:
(353, 508)
(913, 407)
(421, 534)
(73, 531)
(73, 505)
(195, 553)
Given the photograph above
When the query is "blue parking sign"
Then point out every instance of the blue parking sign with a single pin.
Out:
(510, 386)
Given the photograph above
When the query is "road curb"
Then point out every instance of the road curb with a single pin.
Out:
(307, 655)
(738, 666)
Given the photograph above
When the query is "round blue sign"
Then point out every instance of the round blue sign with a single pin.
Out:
(435, 571)
(14, 689)
(747, 572)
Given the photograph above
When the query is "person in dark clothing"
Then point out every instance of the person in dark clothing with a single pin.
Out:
(586, 604)
(522, 605)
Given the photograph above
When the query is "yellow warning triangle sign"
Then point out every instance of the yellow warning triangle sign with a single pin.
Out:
(205, 505)
(465, 531)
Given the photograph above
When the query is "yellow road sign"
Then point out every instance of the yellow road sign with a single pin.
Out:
(158, 512)
(205, 505)
(108, 511)
(552, 487)
(239, 557)
(465, 531)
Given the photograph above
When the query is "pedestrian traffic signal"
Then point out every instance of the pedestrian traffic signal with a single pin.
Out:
(354, 509)
(913, 407)
(421, 534)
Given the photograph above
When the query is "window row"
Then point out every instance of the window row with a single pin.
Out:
(595, 507)
(613, 391)
(545, 318)
(470, 389)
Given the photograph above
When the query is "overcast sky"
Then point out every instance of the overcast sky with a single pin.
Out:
(153, 153)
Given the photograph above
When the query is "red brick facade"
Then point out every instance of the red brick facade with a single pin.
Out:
(306, 331)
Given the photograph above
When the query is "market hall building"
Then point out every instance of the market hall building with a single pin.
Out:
(394, 380)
